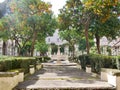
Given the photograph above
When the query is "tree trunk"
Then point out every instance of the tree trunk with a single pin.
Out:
(87, 40)
(4, 49)
(33, 42)
(12, 48)
(73, 50)
(98, 42)
(18, 46)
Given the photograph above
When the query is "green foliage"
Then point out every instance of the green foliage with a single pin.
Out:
(12, 63)
(54, 48)
(96, 16)
(70, 15)
(42, 47)
(72, 37)
(28, 22)
(97, 62)
(118, 62)
(16, 63)
(84, 61)
(43, 59)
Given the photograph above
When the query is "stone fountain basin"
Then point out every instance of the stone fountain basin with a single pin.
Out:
(59, 63)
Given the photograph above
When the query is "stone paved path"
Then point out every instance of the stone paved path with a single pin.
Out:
(62, 77)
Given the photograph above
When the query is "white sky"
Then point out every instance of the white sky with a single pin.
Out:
(1, 1)
(56, 5)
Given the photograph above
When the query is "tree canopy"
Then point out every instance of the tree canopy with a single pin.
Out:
(29, 21)
(98, 17)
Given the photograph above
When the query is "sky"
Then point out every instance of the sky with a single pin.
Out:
(56, 5)
(1, 1)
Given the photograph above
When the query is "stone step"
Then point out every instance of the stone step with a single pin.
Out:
(63, 78)
(64, 85)
(68, 89)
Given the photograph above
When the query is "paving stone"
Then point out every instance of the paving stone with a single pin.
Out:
(62, 77)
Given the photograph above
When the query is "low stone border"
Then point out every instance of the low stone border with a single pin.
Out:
(88, 69)
(31, 69)
(112, 76)
(8, 80)
(39, 66)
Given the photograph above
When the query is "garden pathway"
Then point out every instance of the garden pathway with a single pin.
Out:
(63, 77)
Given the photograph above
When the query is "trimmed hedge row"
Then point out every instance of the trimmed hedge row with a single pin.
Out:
(16, 63)
(42, 59)
(99, 61)
(10, 63)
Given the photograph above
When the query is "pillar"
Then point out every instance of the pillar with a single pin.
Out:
(49, 51)
(66, 49)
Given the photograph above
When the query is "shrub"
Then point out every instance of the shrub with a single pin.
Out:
(118, 62)
(17, 62)
(43, 59)
(98, 61)
(95, 62)
(84, 61)
(46, 59)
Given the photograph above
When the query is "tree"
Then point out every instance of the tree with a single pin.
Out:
(83, 14)
(29, 21)
(42, 47)
(74, 14)
(4, 35)
(72, 37)
(3, 26)
(105, 18)
(110, 28)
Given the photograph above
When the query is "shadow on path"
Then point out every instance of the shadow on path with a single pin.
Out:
(62, 77)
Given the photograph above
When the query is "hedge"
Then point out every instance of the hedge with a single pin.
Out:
(118, 62)
(99, 61)
(16, 63)
(43, 59)
(9, 63)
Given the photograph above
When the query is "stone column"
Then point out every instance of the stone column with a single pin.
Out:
(76, 49)
(58, 52)
(49, 51)
(66, 49)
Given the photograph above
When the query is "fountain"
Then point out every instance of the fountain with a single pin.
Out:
(59, 60)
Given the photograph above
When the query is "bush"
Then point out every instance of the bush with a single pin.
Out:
(118, 62)
(42, 59)
(98, 61)
(10, 63)
(46, 59)
(16, 63)
(84, 61)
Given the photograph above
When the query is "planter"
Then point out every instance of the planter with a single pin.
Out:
(104, 74)
(38, 67)
(88, 69)
(111, 79)
(112, 76)
(8, 80)
(21, 77)
(32, 69)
